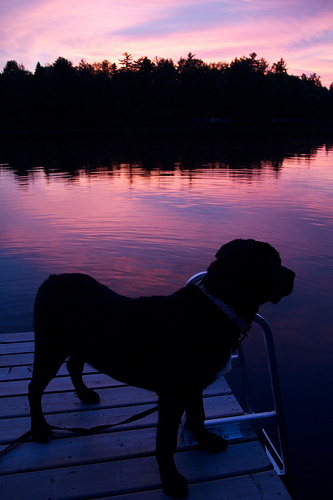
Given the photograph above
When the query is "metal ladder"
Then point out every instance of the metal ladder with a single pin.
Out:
(233, 427)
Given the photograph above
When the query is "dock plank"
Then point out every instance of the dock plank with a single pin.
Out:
(94, 380)
(130, 475)
(62, 384)
(23, 372)
(58, 401)
(17, 347)
(11, 360)
(259, 486)
(11, 429)
(8, 373)
(12, 338)
(18, 406)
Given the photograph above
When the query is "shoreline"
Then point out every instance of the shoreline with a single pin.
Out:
(322, 127)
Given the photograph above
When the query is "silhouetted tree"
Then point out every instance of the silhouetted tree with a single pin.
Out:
(99, 94)
(84, 68)
(127, 61)
(280, 67)
(12, 68)
(105, 67)
(15, 89)
(166, 90)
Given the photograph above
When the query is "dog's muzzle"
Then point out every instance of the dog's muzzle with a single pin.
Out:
(286, 284)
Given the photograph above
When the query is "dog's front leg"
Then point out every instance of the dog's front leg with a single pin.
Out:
(195, 415)
(170, 410)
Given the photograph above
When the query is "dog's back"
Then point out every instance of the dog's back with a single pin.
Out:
(144, 341)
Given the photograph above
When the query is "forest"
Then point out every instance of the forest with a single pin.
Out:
(145, 92)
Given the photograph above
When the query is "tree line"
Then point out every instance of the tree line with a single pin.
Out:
(144, 92)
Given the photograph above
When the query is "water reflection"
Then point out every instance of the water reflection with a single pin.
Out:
(145, 225)
(154, 152)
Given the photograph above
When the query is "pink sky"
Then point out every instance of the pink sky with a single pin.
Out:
(299, 31)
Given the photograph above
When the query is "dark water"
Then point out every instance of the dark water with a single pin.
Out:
(144, 214)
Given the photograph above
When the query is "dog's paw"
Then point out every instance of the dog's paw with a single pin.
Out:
(175, 486)
(213, 443)
(42, 434)
(88, 396)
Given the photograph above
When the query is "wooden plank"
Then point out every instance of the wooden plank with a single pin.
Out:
(11, 360)
(25, 371)
(131, 475)
(11, 429)
(259, 486)
(17, 406)
(138, 439)
(80, 450)
(16, 337)
(16, 348)
(93, 379)
(15, 373)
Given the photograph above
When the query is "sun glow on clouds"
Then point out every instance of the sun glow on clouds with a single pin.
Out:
(300, 31)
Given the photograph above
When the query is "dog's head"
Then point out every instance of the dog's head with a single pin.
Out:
(251, 270)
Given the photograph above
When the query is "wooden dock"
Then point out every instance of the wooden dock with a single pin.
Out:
(118, 463)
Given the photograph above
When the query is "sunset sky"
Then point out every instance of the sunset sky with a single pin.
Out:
(299, 31)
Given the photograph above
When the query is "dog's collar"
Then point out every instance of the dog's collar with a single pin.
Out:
(242, 325)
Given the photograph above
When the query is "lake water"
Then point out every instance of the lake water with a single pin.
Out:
(143, 214)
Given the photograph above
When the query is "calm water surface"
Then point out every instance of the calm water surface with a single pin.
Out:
(143, 219)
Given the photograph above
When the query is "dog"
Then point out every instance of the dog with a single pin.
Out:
(174, 345)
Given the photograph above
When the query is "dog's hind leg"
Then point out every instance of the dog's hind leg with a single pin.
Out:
(46, 366)
(75, 368)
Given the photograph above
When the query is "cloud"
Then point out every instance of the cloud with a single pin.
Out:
(182, 19)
